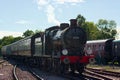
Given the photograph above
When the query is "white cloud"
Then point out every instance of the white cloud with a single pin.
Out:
(51, 15)
(45, 2)
(22, 22)
(9, 33)
(69, 1)
(42, 2)
(49, 7)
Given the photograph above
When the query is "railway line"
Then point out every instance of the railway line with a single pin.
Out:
(111, 73)
(2, 61)
(45, 75)
(28, 73)
(101, 74)
(21, 72)
(14, 73)
(34, 74)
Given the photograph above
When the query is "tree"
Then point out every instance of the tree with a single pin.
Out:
(28, 33)
(17, 38)
(38, 31)
(107, 29)
(89, 27)
(7, 40)
(80, 20)
(0, 41)
(0, 46)
(91, 30)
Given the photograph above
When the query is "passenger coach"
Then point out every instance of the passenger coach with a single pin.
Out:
(101, 49)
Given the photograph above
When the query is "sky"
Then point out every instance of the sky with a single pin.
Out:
(17, 16)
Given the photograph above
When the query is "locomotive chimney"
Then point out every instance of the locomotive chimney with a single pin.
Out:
(73, 22)
(64, 25)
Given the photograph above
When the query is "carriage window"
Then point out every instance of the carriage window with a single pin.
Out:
(99, 47)
(88, 47)
(95, 46)
(115, 46)
(103, 47)
(37, 40)
(38, 46)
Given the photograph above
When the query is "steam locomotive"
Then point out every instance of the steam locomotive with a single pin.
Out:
(59, 48)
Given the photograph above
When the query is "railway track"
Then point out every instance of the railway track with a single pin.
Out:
(43, 75)
(14, 73)
(115, 74)
(86, 76)
(89, 74)
(72, 76)
(101, 74)
(76, 76)
(34, 74)
(2, 61)
(48, 75)
(22, 73)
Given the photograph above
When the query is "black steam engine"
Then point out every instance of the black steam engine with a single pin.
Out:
(58, 49)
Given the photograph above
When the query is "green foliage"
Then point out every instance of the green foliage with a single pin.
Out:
(28, 33)
(0, 49)
(17, 38)
(89, 27)
(107, 29)
(7, 40)
(38, 31)
(104, 29)
(0, 41)
(91, 30)
(80, 20)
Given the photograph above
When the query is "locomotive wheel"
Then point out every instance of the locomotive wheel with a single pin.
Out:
(58, 65)
(72, 66)
(63, 68)
(80, 68)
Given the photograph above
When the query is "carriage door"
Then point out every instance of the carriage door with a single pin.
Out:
(36, 45)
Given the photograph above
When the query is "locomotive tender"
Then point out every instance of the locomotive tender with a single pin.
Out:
(58, 49)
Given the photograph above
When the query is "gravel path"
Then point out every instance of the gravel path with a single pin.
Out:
(6, 71)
